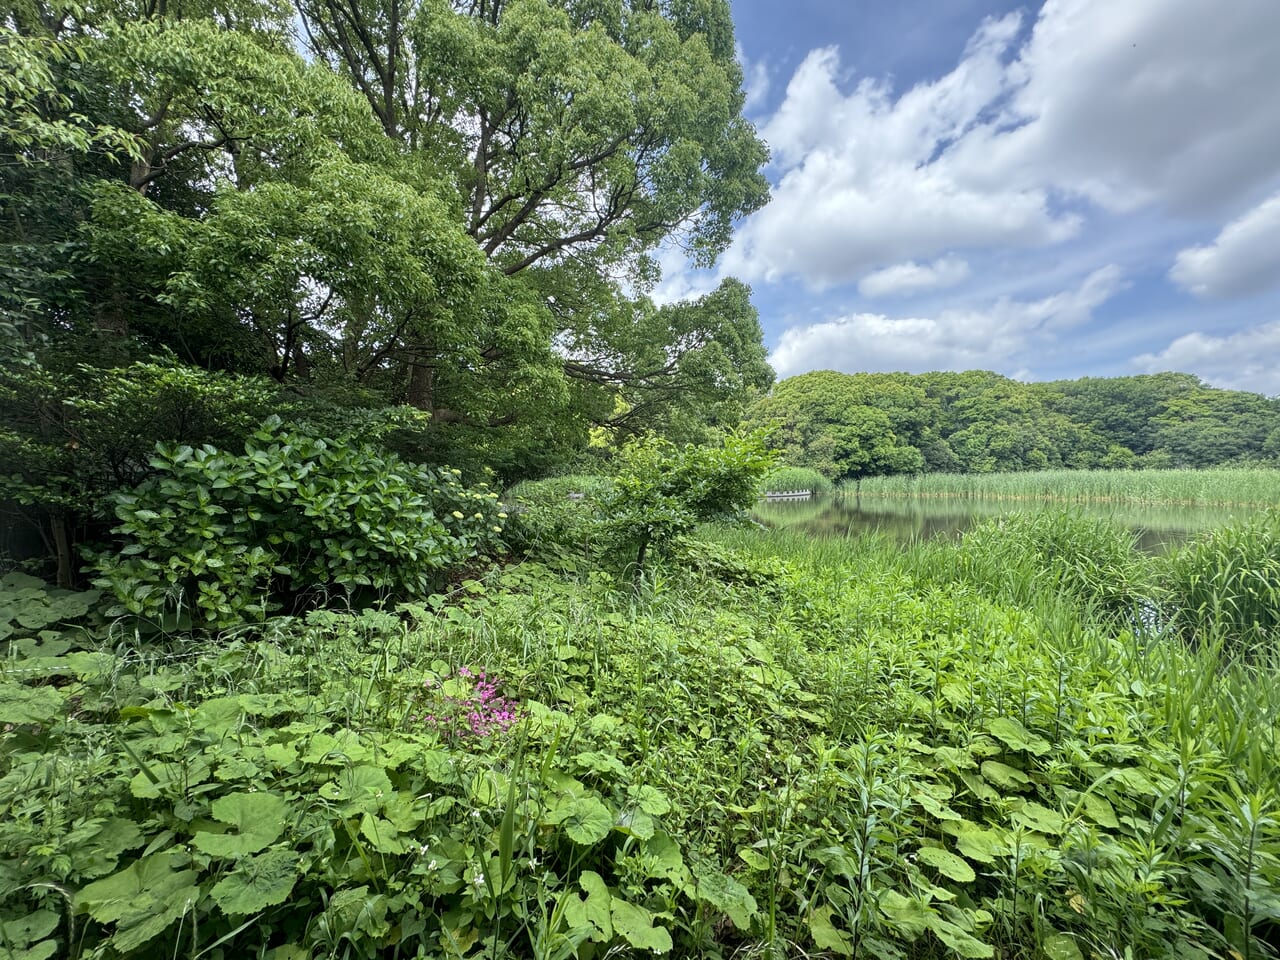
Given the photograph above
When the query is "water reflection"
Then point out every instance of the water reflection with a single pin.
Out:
(905, 519)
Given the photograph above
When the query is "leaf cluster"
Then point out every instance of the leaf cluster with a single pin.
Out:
(218, 538)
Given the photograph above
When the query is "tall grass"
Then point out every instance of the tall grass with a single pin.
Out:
(1227, 486)
(1225, 586)
(795, 478)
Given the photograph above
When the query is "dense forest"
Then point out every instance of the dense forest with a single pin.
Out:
(427, 225)
(850, 426)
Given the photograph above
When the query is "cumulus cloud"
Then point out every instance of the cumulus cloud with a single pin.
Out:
(1164, 103)
(1245, 257)
(994, 336)
(1140, 102)
(911, 277)
(1247, 360)
(859, 183)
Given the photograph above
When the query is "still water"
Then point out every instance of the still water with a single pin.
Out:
(1157, 527)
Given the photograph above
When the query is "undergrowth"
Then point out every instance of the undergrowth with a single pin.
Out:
(776, 747)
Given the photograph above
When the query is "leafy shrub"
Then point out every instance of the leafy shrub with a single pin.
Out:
(227, 537)
(795, 478)
(70, 438)
(662, 491)
(1226, 585)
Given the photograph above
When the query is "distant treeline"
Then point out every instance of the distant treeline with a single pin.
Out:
(850, 426)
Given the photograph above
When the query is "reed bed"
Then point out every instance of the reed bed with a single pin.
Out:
(1224, 487)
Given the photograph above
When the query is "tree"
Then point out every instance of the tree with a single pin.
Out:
(631, 132)
(831, 422)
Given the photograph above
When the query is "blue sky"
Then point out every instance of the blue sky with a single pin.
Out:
(1059, 189)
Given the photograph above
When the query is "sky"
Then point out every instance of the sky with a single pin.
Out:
(1048, 190)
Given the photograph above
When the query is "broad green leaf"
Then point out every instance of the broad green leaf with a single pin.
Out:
(962, 943)
(364, 788)
(947, 864)
(1036, 817)
(650, 799)
(257, 882)
(340, 749)
(726, 895)
(605, 764)
(635, 925)
(26, 930)
(382, 834)
(143, 899)
(979, 844)
(825, 935)
(585, 820)
(1100, 811)
(1005, 776)
(1061, 946)
(100, 853)
(637, 823)
(908, 916)
(663, 860)
(21, 705)
(1017, 737)
(936, 808)
(596, 908)
(259, 818)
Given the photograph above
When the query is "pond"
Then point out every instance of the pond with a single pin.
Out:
(1158, 527)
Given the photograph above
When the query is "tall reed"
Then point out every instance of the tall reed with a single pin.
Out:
(1228, 486)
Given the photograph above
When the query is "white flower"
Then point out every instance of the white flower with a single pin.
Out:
(479, 880)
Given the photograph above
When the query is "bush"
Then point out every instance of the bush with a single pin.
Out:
(662, 491)
(228, 538)
(1226, 585)
(795, 478)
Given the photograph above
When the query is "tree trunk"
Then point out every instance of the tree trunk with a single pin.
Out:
(421, 392)
(62, 545)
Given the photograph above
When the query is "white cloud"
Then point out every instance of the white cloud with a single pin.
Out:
(755, 80)
(680, 280)
(860, 184)
(1161, 103)
(956, 339)
(1138, 102)
(1245, 257)
(1247, 360)
(911, 277)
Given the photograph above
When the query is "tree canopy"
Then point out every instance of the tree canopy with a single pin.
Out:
(362, 206)
(849, 426)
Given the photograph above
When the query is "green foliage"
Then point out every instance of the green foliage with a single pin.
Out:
(222, 537)
(1224, 587)
(558, 516)
(71, 436)
(795, 478)
(856, 426)
(1234, 486)
(903, 761)
(1026, 554)
(661, 491)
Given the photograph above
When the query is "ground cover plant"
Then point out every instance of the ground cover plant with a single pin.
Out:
(778, 746)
